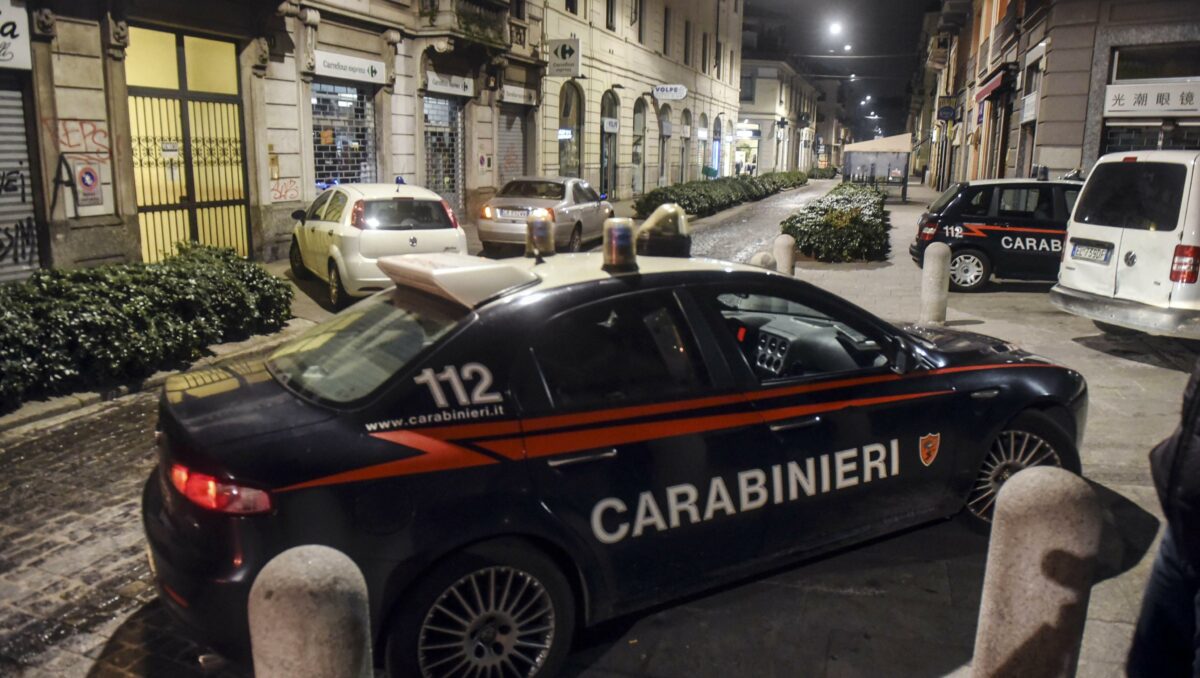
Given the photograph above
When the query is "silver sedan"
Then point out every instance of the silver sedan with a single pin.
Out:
(577, 210)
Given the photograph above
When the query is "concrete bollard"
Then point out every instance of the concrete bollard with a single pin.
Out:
(1041, 560)
(785, 254)
(935, 284)
(309, 618)
(763, 260)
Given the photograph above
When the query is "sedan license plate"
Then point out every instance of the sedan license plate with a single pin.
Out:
(1091, 253)
(513, 214)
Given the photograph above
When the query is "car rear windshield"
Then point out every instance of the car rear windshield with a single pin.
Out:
(1140, 195)
(944, 199)
(405, 214)
(349, 356)
(543, 190)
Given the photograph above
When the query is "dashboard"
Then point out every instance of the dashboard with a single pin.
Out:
(783, 345)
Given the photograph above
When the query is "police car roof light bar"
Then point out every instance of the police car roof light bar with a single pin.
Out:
(461, 278)
(619, 255)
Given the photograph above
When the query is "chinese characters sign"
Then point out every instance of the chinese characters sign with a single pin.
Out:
(1153, 99)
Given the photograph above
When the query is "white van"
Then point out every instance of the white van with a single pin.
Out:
(1132, 255)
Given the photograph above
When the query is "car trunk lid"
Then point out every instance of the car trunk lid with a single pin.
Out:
(403, 225)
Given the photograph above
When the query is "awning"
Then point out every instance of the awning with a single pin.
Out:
(989, 87)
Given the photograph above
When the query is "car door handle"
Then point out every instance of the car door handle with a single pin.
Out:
(794, 424)
(985, 394)
(583, 458)
(329, 232)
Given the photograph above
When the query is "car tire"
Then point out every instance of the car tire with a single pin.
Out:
(1031, 439)
(338, 297)
(970, 270)
(1115, 330)
(299, 272)
(575, 244)
(424, 638)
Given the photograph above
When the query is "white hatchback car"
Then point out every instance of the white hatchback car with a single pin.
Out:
(348, 227)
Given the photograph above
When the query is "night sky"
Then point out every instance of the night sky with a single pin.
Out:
(871, 27)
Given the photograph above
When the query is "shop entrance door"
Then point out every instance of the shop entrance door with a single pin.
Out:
(185, 117)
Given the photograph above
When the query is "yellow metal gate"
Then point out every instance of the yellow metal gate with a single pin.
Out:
(185, 113)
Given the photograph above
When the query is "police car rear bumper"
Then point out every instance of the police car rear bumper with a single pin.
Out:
(1172, 322)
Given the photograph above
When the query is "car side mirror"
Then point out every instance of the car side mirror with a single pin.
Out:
(901, 359)
(300, 215)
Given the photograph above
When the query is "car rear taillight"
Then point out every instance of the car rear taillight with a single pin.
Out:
(450, 213)
(928, 229)
(357, 217)
(488, 212)
(1185, 266)
(208, 492)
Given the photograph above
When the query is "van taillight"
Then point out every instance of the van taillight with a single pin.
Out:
(450, 213)
(1185, 267)
(357, 217)
(928, 229)
(216, 495)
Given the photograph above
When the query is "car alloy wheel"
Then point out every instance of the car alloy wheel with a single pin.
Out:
(1013, 450)
(296, 261)
(575, 244)
(495, 621)
(969, 271)
(337, 292)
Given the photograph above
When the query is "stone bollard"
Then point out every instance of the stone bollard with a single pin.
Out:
(763, 260)
(1041, 558)
(935, 284)
(785, 254)
(309, 618)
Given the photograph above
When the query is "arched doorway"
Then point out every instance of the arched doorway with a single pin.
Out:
(664, 145)
(570, 130)
(685, 145)
(716, 146)
(639, 146)
(610, 124)
(702, 137)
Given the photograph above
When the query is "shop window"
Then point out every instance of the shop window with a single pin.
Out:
(570, 128)
(211, 65)
(151, 60)
(343, 133)
(1155, 62)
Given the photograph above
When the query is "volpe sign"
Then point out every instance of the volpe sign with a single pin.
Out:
(14, 36)
(334, 65)
(564, 58)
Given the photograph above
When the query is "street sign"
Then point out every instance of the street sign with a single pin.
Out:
(946, 113)
(564, 58)
(670, 92)
(87, 186)
(346, 67)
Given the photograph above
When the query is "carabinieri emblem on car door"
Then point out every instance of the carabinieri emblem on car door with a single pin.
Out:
(929, 447)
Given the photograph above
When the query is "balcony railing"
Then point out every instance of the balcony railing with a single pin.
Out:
(484, 21)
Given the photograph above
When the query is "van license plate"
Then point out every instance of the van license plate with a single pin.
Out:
(1091, 253)
(514, 214)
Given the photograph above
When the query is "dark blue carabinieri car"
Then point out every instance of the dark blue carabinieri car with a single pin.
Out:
(512, 449)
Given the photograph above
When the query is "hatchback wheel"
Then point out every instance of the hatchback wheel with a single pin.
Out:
(575, 244)
(299, 272)
(337, 292)
(497, 609)
(1030, 439)
(970, 270)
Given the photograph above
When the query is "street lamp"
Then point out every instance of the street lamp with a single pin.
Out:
(846, 48)
(835, 28)
(868, 97)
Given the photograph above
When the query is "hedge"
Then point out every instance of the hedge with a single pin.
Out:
(823, 173)
(66, 330)
(846, 224)
(705, 197)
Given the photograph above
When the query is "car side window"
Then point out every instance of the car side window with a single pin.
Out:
(590, 192)
(318, 205)
(783, 339)
(335, 208)
(619, 351)
(979, 203)
(1027, 203)
(1070, 195)
(580, 195)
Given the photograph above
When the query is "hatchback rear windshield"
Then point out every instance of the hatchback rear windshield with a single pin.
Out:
(405, 214)
(1140, 195)
(944, 199)
(349, 356)
(543, 190)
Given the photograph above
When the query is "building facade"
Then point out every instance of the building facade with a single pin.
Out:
(775, 122)
(832, 131)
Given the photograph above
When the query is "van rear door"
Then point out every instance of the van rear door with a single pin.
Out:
(1143, 203)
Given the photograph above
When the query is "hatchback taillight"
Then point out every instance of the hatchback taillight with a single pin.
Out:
(357, 215)
(217, 495)
(928, 229)
(1185, 266)
(450, 213)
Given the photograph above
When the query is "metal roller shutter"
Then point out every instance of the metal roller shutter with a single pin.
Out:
(511, 146)
(18, 230)
(444, 159)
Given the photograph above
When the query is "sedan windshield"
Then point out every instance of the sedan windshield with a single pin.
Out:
(542, 190)
(349, 356)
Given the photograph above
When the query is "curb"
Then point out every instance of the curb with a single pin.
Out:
(42, 410)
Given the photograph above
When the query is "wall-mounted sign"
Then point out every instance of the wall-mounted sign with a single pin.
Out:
(748, 134)
(87, 185)
(565, 134)
(702, 133)
(946, 113)
(1152, 99)
(670, 92)
(334, 65)
(14, 36)
(564, 60)
(685, 131)
(1029, 108)
(443, 83)
(170, 150)
(610, 125)
(515, 94)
